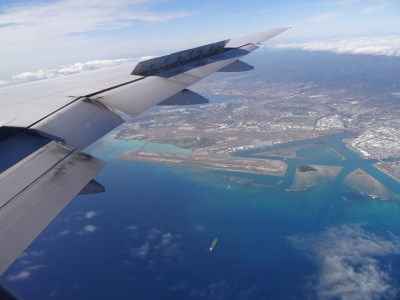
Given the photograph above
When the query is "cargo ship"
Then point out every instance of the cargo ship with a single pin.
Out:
(213, 244)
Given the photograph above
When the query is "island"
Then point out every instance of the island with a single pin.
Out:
(237, 164)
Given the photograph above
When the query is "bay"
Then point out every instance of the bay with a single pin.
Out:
(147, 236)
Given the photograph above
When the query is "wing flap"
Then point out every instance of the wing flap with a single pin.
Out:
(40, 194)
(237, 66)
(186, 97)
(155, 65)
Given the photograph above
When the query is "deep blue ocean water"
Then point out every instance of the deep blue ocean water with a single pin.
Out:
(147, 236)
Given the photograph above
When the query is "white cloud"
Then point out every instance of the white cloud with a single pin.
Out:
(200, 228)
(132, 227)
(166, 239)
(153, 233)
(385, 45)
(172, 252)
(32, 254)
(374, 8)
(64, 18)
(141, 251)
(88, 229)
(90, 214)
(26, 265)
(64, 233)
(169, 249)
(46, 33)
(91, 65)
(28, 258)
(35, 267)
(70, 69)
(159, 249)
(325, 17)
(133, 231)
(348, 262)
(22, 275)
(41, 74)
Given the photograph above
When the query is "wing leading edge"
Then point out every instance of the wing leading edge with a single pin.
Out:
(54, 125)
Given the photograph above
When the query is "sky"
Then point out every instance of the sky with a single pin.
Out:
(39, 38)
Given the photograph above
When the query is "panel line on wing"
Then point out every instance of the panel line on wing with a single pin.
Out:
(54, 153)
(41, 194)
(84, 96)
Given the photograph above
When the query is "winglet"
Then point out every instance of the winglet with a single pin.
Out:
(255, 38)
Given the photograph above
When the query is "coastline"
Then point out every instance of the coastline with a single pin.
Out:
(301, 166)
(386, 169)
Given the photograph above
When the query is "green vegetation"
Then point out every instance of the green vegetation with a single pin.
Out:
(305, 168)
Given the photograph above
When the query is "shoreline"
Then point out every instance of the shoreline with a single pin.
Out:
(386, 169)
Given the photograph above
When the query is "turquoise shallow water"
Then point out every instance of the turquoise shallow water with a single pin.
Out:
(147, 236)
(330, 151)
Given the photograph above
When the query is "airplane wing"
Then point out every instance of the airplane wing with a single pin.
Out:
(43, 126)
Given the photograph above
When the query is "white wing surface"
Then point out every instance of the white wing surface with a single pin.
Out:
(44, 124)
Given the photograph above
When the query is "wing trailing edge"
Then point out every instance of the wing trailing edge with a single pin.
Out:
(185, 97)
(156, 65)
(237, 66)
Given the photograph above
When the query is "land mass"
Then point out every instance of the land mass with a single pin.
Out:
(261, 166)
(305, 168)
(390, 168)
(365, 184)
(269, 107)
(307, 176)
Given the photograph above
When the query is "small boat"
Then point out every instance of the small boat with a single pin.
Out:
(213, 244)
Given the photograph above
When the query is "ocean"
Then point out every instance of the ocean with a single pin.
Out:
(147, 236)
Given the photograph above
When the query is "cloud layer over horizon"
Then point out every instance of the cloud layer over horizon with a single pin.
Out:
(371, 45)
(70, 69)
(383, 45)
